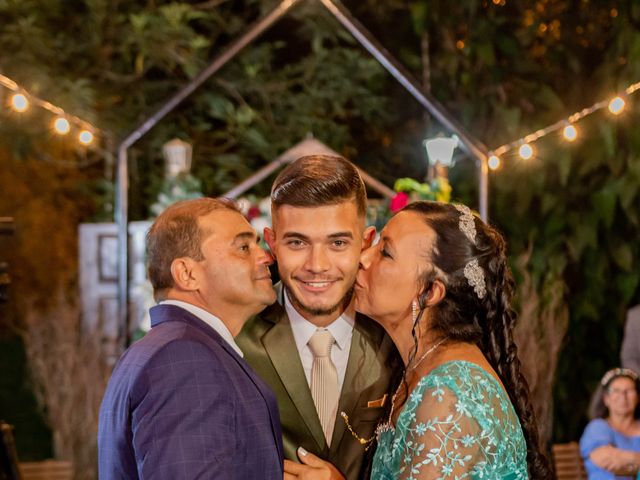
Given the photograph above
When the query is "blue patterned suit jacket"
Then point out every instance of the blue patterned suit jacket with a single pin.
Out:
(182, 404)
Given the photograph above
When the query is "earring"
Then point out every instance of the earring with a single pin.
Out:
(414, 311)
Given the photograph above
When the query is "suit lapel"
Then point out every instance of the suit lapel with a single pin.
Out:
(278, 342)
(362, 371)
(264, 391)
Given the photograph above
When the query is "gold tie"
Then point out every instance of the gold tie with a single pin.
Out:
(324, 381)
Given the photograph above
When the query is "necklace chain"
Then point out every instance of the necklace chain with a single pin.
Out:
(388, 425)
(425, 355)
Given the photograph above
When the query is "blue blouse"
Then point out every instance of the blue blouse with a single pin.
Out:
(458, 423)
(599, 433)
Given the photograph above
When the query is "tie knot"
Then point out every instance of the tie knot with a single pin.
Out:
(321, 342)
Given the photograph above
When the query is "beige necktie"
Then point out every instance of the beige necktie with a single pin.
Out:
(324, 381)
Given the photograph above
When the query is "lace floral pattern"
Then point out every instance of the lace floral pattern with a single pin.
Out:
(458, 423)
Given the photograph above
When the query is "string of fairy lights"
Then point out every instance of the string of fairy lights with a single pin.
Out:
(63, 123)
(569, 131)
(21, 100)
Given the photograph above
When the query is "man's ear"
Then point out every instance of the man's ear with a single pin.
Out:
(435, 294)
(368, 237)
(270, 238)
(185, 276)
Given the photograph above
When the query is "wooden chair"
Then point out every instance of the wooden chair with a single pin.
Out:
(46, 470)
(568, 462)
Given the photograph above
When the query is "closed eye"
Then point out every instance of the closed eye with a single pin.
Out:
(385, 253)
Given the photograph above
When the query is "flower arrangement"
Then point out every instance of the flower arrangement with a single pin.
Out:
(257, 212)
(410, 190)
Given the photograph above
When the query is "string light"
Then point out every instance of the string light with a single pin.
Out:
(21, 100)
(19, 103)
(61, 126)
(525, 151)
(494, 162)
(616, 105)
(85, 137)
(570, 133)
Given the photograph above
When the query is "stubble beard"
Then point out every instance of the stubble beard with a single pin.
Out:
(317, 312)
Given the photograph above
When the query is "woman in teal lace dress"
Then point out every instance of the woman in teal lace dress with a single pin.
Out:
(439, 283)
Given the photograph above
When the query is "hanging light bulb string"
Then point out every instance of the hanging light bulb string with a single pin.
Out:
(615, 105)
(22, 99)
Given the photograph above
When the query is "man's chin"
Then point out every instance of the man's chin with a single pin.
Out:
(319, 308)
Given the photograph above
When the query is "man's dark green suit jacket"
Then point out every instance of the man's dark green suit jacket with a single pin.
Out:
(269, 347)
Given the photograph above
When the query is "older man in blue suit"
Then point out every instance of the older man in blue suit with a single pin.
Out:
(182, 403)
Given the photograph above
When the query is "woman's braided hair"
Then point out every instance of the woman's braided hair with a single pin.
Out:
(488, 322)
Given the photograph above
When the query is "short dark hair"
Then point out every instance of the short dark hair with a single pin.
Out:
(318, 180)
(174, 234)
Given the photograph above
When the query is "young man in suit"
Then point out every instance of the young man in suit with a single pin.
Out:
(182, 403)
(329, 367)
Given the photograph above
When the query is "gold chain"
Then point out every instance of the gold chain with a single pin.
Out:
(369, 441)
(362, 441)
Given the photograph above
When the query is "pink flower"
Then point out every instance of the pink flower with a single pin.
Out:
(399, 201)
(253, 213)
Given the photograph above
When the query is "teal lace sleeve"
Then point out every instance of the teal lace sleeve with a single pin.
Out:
(458, 423)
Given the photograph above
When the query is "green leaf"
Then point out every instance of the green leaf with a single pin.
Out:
(220, 107)
(564, 169)
(627, 284)
(254, 140)
(419, 16)
(607, 134)
(623, 256)
(604, 203)
(245, 115)
(485, 53)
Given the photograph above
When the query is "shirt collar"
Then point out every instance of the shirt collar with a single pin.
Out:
(208, 318)
(341, 328)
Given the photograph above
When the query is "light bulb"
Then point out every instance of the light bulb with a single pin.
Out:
(525, 151)
(61, 126)
(493, 162)
(570, 133)
(85, 137)
(19, 102)
(616, 105)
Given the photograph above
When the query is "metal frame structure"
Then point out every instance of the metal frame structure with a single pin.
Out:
(468, 143)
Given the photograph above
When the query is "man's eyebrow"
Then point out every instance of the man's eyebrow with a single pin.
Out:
(301, 236)
(341, 235)
(248, 235)
(387, 240)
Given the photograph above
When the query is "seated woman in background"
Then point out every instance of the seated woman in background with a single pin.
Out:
(610, 444)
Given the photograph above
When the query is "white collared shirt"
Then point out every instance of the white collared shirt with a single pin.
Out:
(341, 329)
(208, 318)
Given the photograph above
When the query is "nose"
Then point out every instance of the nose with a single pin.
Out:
(264, 257)
(365, 258)
(318, 260)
